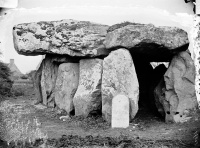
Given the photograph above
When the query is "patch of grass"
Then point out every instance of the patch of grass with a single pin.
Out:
(91, 122)
(18, 127)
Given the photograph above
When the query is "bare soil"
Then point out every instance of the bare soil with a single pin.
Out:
(146, 130)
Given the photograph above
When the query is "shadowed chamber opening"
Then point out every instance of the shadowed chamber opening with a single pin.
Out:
(149, 75)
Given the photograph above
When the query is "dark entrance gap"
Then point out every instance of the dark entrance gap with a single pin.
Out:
(148, 78)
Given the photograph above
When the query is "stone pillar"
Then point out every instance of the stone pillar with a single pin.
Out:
(176, 94)
(119, 77)
(88, 95)
(48, 80)
(66, 85)
(195, 41)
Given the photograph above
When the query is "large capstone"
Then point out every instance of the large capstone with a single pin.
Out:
(69, 37)
(66, 86)
(157, 44)
(177, 92)
(119, 77)
(88, 95)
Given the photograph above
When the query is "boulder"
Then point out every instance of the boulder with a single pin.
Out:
(66, 85)
(180, 101)
(88, 95)
(65, 37)
(119, 77)
(157, 44)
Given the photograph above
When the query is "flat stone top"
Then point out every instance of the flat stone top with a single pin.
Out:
(87, 39)
(70, 37)
(138, 35)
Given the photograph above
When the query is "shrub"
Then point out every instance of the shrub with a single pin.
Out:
(5, 81)
(17, 91)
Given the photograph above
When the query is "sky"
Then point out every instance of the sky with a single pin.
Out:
(158, 12)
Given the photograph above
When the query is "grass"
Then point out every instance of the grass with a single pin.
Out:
(23, 130)
(18, 127)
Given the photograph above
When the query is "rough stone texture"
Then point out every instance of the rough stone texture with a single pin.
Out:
(195, 50)
(69, 37)
(180, 98)
(49, 75)
(120, 112)
(66, 85)
(156, 43)
(88, 95)
(119, 77)
(48, 80)
(37, 83)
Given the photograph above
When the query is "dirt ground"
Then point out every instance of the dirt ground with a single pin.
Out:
(146, 130)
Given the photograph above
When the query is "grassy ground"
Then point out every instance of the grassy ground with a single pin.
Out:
(26, 125)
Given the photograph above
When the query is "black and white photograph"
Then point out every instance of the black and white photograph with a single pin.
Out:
(99, 73)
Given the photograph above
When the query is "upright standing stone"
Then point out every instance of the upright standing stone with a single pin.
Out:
(88, 95)
(177, 92)
(66, 85)
(180, 88)
(119, 77)
(48, 80)
(37, 83)
(120, 112)
(195, 42)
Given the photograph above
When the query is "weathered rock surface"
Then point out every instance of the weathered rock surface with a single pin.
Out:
(69, 37)
(179, 96)
(66, 85)
(48, 80)
(37, 84)
(119, 77)
(156, 43)
(88, 95)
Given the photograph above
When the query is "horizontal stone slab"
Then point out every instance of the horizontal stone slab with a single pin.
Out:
(65, 37)
(157, 43)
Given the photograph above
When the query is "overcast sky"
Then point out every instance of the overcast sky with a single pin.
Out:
(159, 12)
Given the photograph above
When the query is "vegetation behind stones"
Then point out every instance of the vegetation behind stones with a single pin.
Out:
(5, 81)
